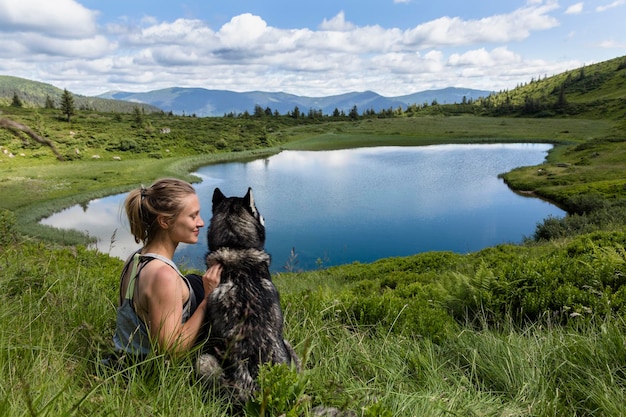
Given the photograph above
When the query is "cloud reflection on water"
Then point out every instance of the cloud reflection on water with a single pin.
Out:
(102, 218)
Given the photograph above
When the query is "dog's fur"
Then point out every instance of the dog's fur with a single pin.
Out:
(244, 320)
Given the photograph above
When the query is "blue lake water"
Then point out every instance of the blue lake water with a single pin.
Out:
(337, 207)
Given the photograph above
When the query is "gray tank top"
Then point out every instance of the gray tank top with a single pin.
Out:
(131, 334)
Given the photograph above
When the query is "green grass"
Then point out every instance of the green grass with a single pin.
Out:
(595, 167)
(57, 316)
(515, 330)
(432, 130)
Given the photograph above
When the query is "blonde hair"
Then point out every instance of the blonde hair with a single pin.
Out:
(144, 205)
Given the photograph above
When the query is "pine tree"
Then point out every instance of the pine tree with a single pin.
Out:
(561, 101)
(354, 113)
(16, 101)
(67, 104)
(49, 102)
(138, 116)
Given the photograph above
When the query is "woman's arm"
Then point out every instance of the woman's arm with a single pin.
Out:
(163, 295)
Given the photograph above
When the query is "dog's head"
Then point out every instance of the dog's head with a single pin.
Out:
(236, 223)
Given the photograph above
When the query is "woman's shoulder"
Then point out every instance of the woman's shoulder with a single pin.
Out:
(159, 277)
(157, 269)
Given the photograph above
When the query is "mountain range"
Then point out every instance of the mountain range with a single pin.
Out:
(202, 102)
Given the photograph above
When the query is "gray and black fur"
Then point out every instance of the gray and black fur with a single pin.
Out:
(244, 320)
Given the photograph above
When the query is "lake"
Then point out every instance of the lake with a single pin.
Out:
(337, 207)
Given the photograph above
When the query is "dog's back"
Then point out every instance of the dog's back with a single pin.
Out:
(244, 319)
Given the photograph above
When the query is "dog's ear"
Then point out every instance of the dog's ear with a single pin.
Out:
(249, 198)
(218, 197)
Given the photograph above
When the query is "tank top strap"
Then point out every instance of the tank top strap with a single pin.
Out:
(169, 262)
(137, 263)
(192, 297)
(134, 271)
(162, 259)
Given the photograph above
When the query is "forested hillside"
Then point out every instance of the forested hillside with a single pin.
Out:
(33, 94)
(597, 91)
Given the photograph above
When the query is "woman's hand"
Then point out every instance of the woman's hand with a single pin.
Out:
(211, 278)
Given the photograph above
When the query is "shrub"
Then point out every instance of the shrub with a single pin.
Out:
(551, 228)
(567, 284)
(393, 314)
(590, 217)
(221, 144)
(282, 392)
(586, 203)
(124, 145)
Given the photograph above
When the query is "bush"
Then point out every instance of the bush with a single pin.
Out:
(124, 145)
(393, 314)
(282, 392)
(607, 217)
(221, 144)
(586, 203)
(566, 284)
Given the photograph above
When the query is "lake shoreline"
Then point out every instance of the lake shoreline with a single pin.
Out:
(480, 163)
(29, 216)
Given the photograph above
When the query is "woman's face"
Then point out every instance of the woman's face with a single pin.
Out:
(186, 226)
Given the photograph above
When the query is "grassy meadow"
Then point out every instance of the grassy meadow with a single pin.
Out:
(535, 329)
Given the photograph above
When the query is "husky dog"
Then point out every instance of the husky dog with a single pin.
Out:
(244, 320)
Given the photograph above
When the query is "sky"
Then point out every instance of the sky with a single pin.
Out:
(309, 48)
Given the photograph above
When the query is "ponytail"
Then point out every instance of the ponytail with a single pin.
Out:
(144, 205)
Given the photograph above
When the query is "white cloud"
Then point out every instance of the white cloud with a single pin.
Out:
(83, 48)
(606, 7)
(404, 65)
(575, 8)
(32, 47)
(61, 29)
(246, 53)
(609, 44)
(337, 23)
(178, 32)
(58, 18)
(482, 58)
(242, 31)
(454, 31)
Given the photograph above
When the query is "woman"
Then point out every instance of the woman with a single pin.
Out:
(159, 308)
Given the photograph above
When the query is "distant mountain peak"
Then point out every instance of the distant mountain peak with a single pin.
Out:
(204, 102)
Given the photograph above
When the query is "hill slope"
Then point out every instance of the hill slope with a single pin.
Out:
(34, 94)
(595, 91)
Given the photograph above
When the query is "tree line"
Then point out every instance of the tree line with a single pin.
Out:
(66, 105)
(540, 98)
